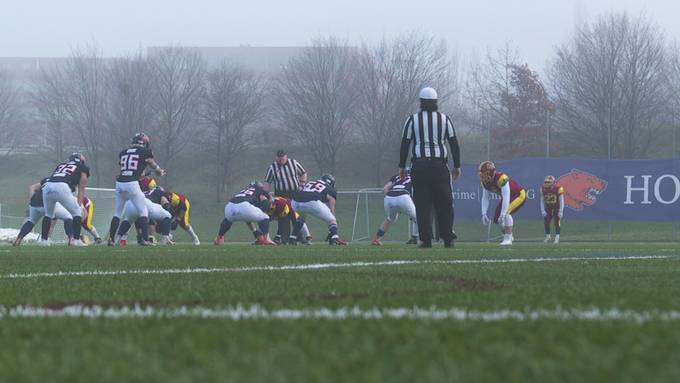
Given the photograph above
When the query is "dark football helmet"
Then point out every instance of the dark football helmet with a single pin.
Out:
(141, 139)
(328, 179)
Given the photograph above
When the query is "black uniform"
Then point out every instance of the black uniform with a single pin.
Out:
(315, 191)
(132, 163)
(69, 172)
(427, 133)
(251, 194)
(399, 186)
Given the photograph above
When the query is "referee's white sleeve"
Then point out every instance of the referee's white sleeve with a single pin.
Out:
(269, 177)
(408, 129)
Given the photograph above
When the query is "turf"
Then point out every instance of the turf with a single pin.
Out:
(588, 276)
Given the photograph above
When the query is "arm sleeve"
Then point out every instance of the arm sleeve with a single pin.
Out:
(299, 169)
(542, 203)
(269, 177)
(561, 204)
(485, 201)
(403, 152)
(453, 142)
(505, 192)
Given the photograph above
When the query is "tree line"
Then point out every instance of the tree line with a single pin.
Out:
(610, 91)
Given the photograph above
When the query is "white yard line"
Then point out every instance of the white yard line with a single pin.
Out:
(315, 266)
(256, 312)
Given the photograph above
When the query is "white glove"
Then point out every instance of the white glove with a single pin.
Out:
(501, 218)
(544, 213)
(485, 220)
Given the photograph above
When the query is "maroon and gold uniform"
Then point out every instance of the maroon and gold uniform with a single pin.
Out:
(552, 204)
(517, 193)
(179, 208)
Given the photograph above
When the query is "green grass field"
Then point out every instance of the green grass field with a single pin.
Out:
(573, 312)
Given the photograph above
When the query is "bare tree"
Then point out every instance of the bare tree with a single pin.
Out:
(8, 110)
(178, 75)
(83, 79)
(129, 101)
(316, 96)
(49, 98)
(609, 86)
(391, 73)
(232, 103)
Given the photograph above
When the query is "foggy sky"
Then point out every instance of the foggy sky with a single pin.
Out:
(48, 28)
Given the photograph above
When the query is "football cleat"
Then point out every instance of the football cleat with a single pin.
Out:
(264, 240)
(336, 241)
(412, 241)
(43, 242)
(219, 240)
(122, 242)
(547, 239)
(147, 243)
(507, 240)
(197, 242)
(376, 242)
(167, 241)
(557, 239)
(17, 241)
(98, 241)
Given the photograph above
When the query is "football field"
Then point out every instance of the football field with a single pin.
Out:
(572, 312)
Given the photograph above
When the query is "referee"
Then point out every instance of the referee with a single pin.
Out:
(286, 175)
(429, 130)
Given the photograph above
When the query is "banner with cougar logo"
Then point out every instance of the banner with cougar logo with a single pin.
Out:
(630, 190)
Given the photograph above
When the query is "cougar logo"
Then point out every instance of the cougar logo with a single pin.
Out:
(580, 188)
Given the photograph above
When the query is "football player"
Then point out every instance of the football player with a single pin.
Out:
(66, 177)
(36, 210)
(512, 196)
(179, 208)
(398, 200)
(133, 161)
(281, 208)
(247, 206)
(88, 218)
(552, 206)
(158, 210)
(317, 198)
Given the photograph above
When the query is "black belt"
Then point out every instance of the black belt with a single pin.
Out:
(429, 159)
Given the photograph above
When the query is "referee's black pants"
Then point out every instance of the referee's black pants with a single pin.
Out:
(432, 188)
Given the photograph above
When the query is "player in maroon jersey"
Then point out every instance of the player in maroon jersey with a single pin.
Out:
(512, 196)
(552, 206)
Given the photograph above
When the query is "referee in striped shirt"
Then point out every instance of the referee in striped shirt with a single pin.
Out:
(428, 132)
(286, 175)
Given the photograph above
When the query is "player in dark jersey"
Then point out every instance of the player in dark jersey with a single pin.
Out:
(398, 200)
(247, 206)
(133, 161)
(512, 196)
(36, 210)
(318, 198)
(552, 206)
(67, 177)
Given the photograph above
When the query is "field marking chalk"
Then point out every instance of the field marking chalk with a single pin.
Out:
(314, 266)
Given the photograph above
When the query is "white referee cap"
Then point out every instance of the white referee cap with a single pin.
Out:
(428, 93)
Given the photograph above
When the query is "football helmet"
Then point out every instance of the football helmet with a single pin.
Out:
(549, 181)
(487, 169)
(147, 183)
(328, 179)
(141, 139)
(77, 157)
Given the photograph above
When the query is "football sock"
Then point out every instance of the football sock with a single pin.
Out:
(25, 229)
(256, 233)
(46, 222)
(380, 233)
(68, 228)
(165, 226)
(224, 227)
(113, 228)
(144, 223)
(557, 229)
(124, 228)
(77, 225)
(333, 229)
(264, 226)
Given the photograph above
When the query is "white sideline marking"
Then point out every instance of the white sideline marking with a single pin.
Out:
(257, 312)
(313, 266)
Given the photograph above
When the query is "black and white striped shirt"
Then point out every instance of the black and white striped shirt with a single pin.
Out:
(285, 178)
(429, 132)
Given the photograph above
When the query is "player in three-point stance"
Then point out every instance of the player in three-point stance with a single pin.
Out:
(36, 210)
(180, 208)
(512, 195)
(158, 208)
(58, 188)
(552, 206)
(317, 198)
(398, 200)
(88, 219)
(247, 206)
(133, 161)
